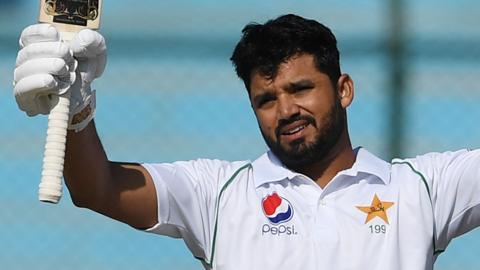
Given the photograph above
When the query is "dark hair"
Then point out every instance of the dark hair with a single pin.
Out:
(263, 47)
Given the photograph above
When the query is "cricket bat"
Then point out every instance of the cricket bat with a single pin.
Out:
(69, 17)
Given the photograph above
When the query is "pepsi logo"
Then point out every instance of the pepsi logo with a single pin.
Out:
(277, 209)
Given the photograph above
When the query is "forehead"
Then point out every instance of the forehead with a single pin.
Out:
(296, 68)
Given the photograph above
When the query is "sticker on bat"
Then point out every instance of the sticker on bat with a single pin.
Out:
(75, 12)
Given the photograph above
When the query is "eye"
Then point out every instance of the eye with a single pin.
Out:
(302, 88)
(264, 100)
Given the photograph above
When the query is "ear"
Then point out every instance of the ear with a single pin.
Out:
(345, 90)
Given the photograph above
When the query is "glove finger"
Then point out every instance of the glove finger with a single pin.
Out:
(101, 63)
(28, 104)
(91, 69)
(35, 84)
(87, 69)
(88, 44)
(38, 33)
(45, 50)
(34, 105)
(30, 93)
(45, 104)
(90, 49)
(53, 66)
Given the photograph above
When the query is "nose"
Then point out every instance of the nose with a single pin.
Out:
(287, 107)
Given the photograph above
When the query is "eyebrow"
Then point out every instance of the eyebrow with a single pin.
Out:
(291, 87)
(300, 84)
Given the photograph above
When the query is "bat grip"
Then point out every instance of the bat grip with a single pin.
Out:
(50, 188)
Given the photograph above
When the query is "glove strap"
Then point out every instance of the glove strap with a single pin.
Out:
(82, 115)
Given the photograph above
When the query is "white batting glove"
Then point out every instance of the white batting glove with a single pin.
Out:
(47, 66)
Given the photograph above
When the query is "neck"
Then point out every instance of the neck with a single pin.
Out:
(340, 158)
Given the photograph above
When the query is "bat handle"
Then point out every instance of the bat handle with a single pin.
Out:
(50, 188)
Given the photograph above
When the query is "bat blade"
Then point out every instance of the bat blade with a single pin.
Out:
(71, 16)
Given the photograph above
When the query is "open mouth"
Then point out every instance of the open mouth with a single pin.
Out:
(294, 130)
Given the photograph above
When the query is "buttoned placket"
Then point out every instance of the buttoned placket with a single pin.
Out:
(324, 213)
(323, 219)
(326, 223)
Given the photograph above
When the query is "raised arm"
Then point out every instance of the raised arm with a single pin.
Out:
(122, 191)
(45, 67)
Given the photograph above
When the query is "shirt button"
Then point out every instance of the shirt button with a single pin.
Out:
(322, 203)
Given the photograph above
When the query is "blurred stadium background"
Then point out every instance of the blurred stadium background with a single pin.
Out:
(170, 93)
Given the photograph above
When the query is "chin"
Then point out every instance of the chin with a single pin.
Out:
(299, 153)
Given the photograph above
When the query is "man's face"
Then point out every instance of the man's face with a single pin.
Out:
(298, 111)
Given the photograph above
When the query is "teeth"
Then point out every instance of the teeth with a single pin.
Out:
(295, 130)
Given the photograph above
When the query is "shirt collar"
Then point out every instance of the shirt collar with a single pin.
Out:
(268, 168)
(367, 162)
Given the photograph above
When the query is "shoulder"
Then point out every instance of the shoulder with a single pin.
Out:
(213, 167)
(429, 162)
(211, 170)
(434, 166)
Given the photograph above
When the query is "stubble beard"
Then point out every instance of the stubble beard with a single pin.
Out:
(302, 153)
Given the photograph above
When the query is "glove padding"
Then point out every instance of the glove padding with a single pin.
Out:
(47, 66)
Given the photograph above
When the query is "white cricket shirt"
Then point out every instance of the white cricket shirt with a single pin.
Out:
(375, 215)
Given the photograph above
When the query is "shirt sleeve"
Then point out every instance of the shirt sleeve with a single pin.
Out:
(186, 197)
(453, 179)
